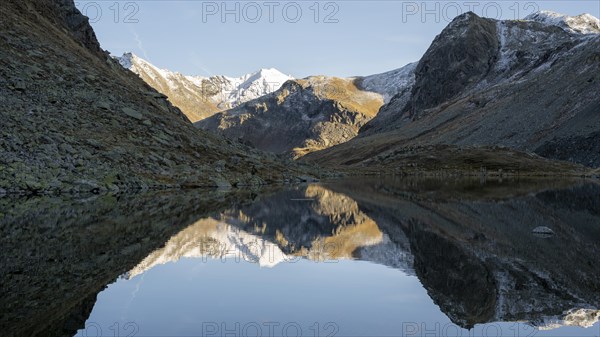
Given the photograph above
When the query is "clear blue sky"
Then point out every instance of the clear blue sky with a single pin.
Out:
(349, 37)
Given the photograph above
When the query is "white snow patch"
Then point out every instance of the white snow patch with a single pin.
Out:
(230, 91)
(583, 318)
(583, 24)
(506, 56)
(228, 242)
(390, 83)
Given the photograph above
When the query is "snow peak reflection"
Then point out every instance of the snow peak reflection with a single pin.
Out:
(231, 245)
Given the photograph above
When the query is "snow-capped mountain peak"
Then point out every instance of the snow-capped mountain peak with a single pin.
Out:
(270, 73)
(257, 84)
(583, 24)
(216, 93)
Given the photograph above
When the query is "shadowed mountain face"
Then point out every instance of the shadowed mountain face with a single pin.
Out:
(482, 241)
(310, 114)
(461, 285)
(466, 59)
(470, 245)
(474, 251)
(73, 120)
(528, 85)
(309, 222)
(57, 254)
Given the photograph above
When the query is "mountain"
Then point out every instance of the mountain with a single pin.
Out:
(520, 85)
(477, 263)
(330, 228)
(86, 244)
(74, 120)
(211, 238)
(584, 23)
(469, 244)
(201, 97)
(476, 255)
(309, 114)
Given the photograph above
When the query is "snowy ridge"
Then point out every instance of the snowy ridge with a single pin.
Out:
(132, 62)
(226, 92)
(583, 24)
(392, 82)
(583, 318)
(211, 239)
(529, 43)
(235, 91)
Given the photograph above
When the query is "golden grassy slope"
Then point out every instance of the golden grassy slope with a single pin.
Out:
(344, 91)
(190, 100)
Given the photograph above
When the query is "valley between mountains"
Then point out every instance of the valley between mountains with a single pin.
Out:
(460, 190)
(520, 89)
(487, 97)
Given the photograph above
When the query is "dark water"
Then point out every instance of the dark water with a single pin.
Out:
(349, 258)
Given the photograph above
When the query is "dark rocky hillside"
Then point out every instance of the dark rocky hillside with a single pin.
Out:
(58, 253)
(525, 85)
(75, 120)
(475, 252)
(310, 114)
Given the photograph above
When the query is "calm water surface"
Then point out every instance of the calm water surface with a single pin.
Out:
(348, 258)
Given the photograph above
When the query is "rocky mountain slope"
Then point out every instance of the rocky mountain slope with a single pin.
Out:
(74, 120)
(59, 252)
(200, 97)
(329, 228)
(476, 254)
(469, 244)
(584, 23)
(528, 85)
(310, 114)
(478, 263)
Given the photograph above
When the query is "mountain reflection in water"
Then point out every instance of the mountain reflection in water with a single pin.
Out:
(468, 246)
